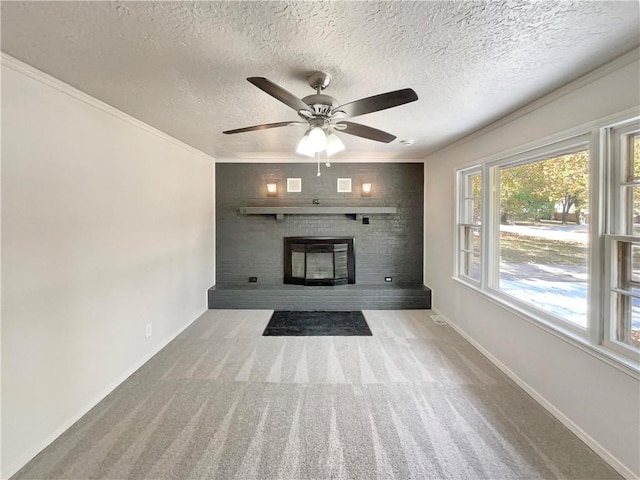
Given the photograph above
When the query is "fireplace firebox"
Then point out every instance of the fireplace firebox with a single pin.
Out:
(319, 261)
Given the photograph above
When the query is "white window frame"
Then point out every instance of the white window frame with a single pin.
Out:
(465, 225)
(605, 215)
(617, 230)
(492, 219)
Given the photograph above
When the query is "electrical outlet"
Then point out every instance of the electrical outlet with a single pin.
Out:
(316, 201)
(388, 279)
(253, 279)
(365, 220)
(147, 331)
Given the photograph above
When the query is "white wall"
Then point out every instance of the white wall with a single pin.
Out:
(107, 225)
(599, 402)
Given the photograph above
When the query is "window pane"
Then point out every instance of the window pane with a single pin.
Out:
(475, 241)
(472, 205)
(474, 271)
(470, 239)
(627, 313)
(470, 265)
(626, 304)
(635, 262)
(543, 235)
(468, 212)
(628, 267)
(635, 157)
(476, 190)
(633, 210)
(470, 252)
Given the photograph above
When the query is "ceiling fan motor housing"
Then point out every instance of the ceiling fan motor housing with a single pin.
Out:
(320, 104)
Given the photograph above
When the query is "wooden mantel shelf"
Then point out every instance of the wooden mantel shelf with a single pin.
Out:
(280, 212)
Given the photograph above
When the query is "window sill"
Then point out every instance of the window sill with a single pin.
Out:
(610, 357)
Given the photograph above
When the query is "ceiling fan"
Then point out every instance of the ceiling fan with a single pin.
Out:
(324, 115)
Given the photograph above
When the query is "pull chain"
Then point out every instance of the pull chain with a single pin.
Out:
(318, 154)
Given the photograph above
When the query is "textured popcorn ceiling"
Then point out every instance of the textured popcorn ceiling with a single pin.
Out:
(181, 66)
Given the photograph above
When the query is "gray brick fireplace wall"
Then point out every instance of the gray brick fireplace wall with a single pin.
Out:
(252, 245)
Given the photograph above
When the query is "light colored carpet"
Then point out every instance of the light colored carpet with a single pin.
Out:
(415, 401)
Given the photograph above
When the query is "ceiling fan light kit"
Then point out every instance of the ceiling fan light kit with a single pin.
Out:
(305, 148)
(324, 115)
(317, 139)
(334, 144)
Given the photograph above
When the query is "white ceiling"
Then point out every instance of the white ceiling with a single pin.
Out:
(181, 66)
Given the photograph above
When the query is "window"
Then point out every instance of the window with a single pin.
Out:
(544, 234)
(554, 234)
(622, 305)
(469, 224)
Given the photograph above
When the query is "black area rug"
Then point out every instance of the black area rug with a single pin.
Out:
(307, 324)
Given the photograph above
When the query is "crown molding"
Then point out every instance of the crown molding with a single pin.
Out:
(312, 161)
(622, 61)
(14, 64)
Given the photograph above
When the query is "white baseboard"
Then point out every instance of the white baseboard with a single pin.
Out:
(31, 453)
(581, 434)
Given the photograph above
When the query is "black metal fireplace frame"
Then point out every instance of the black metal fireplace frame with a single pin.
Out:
(351, 259)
